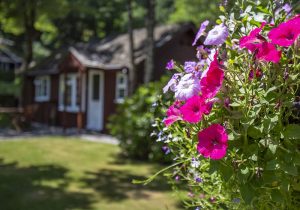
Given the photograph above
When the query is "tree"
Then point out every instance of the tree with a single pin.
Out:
(28, 19)
(150, 23)
(132, 71)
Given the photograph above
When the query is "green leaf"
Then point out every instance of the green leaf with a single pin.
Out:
(247, 193)
(277, 196)
(289, 168)
(273, 148)
(264, 10)
(272, 165)
(255, 132)
(292, 132)
(245, 171)
(222, 9)
(270, 123)
(226, 171)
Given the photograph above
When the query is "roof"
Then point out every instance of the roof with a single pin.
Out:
(112, 52)
(6, 56)
(50, 64)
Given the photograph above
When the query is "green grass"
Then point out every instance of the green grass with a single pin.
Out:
(64, 174)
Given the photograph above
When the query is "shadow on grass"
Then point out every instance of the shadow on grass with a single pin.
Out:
(116, 185)
(23, 188)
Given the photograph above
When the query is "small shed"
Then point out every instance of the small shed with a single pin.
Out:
(81, 85)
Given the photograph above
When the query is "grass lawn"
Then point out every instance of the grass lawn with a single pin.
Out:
(59, 174)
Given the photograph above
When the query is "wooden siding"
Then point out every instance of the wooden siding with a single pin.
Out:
(109, 95)
(178, 48)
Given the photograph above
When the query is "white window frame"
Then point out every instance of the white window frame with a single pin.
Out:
(119, 86)
(40, 83)
(73, 82)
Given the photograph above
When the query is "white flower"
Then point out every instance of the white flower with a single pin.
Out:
(187, 87)
(217, 35)
(195, 163)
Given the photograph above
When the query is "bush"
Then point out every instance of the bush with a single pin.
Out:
(234, 143)
(132, 124)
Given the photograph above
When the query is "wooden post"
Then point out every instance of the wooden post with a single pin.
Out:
(79, 114)
(64, 102)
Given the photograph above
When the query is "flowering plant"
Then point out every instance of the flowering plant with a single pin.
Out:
(235, 130)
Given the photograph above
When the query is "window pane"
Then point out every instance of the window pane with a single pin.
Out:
(96, 87)
(77, 92)
(121, 93)
(121, 79)
(68, 94)
(44, 86)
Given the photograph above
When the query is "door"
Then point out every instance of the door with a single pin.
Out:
(95, 100)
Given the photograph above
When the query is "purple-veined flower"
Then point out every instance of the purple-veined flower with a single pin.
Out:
(166, 150)
(189, 66)
(236, 200)
(193, 67)
(198, 179)
(187, 87)
(200, 31)
(170, 65)
(172, 83)
(217, 35)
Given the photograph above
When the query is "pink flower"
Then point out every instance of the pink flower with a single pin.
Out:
(268, 52)
(173, 114)
(257, 44)
(194, 108)
(212, 142)
(286, 33)
(212, 79)
(252, 41)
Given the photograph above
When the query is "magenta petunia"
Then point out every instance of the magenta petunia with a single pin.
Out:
(212, 142)
(212, 79)
(286, 33)
(194, 108)
(252, 41)
(268, 52)
(173, 114)
(257, 44)
(200, 31)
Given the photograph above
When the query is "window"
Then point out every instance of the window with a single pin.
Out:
(121, 87)
(69, 93)
(96, 87)
(42, 88)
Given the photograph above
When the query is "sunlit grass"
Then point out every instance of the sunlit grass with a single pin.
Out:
(56, 173)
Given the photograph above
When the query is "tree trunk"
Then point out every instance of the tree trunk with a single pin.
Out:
(29, 20)
(132, 70)
(150, 22)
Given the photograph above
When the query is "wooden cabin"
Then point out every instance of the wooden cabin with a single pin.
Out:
(80, 86)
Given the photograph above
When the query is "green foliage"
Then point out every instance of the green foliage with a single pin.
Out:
(10, 88)
(194, 10)
(132, 124)
(5, 120)
(261, 166)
